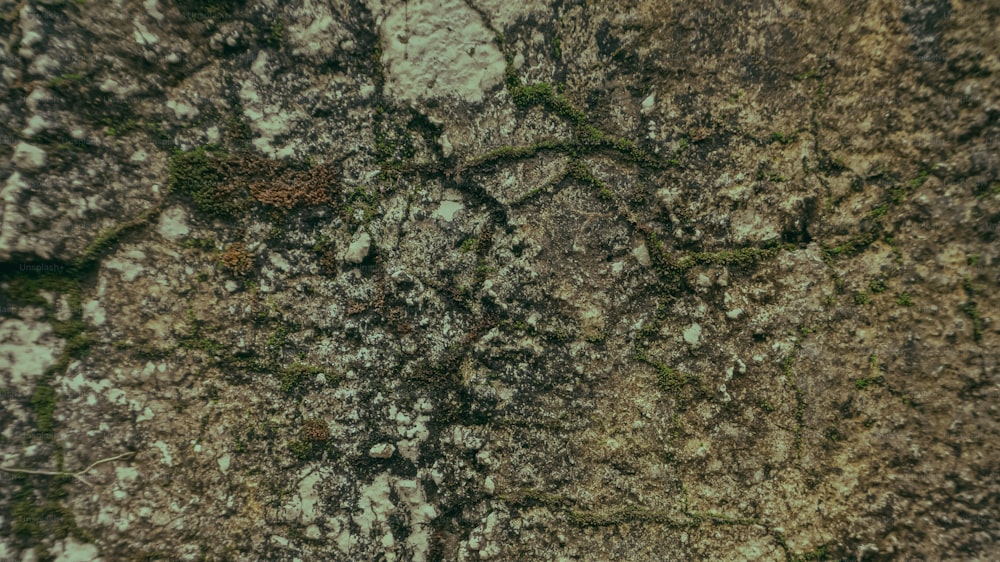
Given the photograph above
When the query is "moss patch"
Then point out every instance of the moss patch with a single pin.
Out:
(108, 238)
(971, 310)
(198, 174)
(237, 260)
(542, 93)
(295, 374)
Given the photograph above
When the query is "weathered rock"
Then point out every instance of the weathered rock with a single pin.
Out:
(359, 249)
(382, 451)
(28, 157)
(652, 280)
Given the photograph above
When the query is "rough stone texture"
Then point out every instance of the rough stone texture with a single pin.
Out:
(445, 280)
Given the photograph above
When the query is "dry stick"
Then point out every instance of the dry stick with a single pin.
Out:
(77, 475)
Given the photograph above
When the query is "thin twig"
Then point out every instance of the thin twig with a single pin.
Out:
(78, 475)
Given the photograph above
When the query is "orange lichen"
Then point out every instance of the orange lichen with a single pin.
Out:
(276, 184)
(237, 259)
(315, 431)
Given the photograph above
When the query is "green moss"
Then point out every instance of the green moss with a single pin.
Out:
(972, 311)
(628, 515)
(301, 449)
(722, 518)
(277, 340)
(27, 289)
(811, 73)
(26, 524)
(897, 254)
(470, 245)
(670, 380)
(904, 299)
(800, 402)
(293, 375)
(108, 238)
(511, 78)
(899, 192)
(516, 152)
(238, 132)
(203, 244)
(877, 286)
(197, 174)
(117, 127)
(874, 376)
(742, 257)
(196, 339)
(557, 48)
(43, 403)
(79, 344)
(534, 496)
(818, 554)
(590, 135)
(586, 136)
(580, 172)
(533, 94)
(68, 329)
(632, 151)
(64, 80)
(202, 9)
(861, 297)
(38, 513)
(878, 211)
(851, 247)
(363, 196)
(784, 138)
(542, 93)
(919, 180)
(277, 33)
(483, 270)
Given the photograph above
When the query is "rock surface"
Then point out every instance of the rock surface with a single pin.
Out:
(459, 280)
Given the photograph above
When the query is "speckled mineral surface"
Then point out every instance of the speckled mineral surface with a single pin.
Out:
(493, 280)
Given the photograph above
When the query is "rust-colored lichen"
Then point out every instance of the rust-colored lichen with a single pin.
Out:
(315, 431)
(237, 259)
(277, 184)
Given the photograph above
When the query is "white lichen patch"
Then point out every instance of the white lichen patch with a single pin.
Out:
(267, 121)
(130, 270)
(447, 210)
(439, 48)
(94, 313)
(503, 13)
(173, 224)
(303, 506)
(316, 32)
(421, 514)
(72, 550)
(166, 457)
(27, 348)
(374, 504)
(692, 334)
